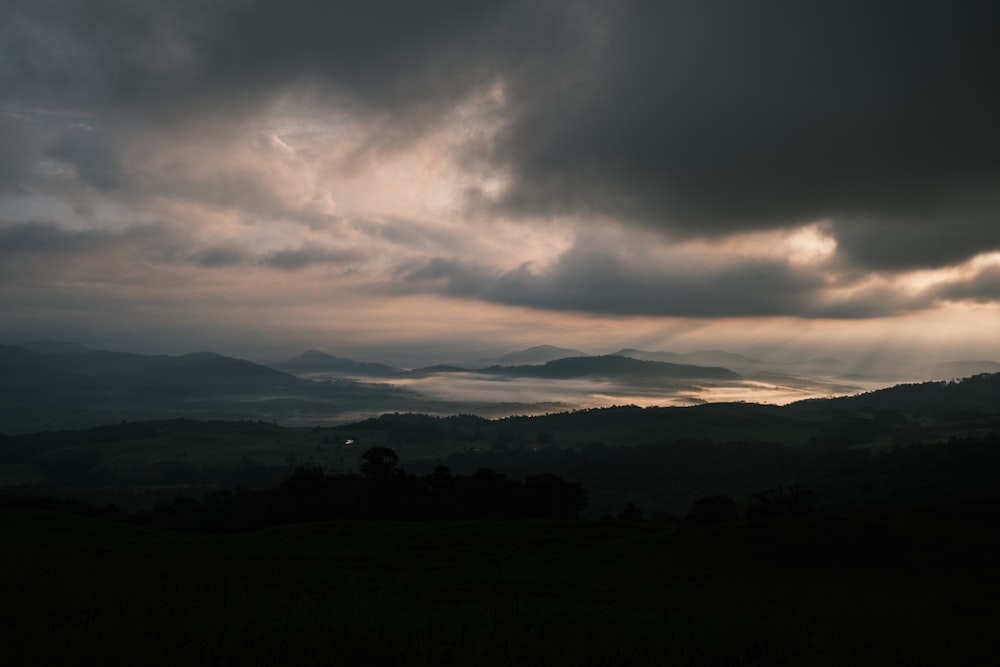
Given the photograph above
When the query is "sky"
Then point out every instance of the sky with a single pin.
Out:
(395, 180)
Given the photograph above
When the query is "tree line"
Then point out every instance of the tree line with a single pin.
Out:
(382, 491)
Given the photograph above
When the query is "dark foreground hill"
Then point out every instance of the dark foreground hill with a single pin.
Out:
(906, 590)
(887, 556)
(896, 448)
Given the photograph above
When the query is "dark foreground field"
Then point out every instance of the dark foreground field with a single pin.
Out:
(905, 590)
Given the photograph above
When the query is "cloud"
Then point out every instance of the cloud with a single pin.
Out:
(588, 157)
(161, 59)
(709, 118)
(601, 279)
(220, 256)
(981, 287)
(16, 154)
(940, 236)
(698, 119)
(40, 237)
(92, 155)
(293, 259)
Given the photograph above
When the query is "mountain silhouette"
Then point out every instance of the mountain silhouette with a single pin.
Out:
(47, 391)
(614, 367)
(317, 361)
(48, 346)
(976, 393)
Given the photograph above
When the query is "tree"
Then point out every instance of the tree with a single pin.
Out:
(781, 501)
(546, 496)
(379, 463)
(713, 509)
(630, 513)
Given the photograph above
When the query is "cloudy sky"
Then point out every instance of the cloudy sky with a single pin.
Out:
(451, 178)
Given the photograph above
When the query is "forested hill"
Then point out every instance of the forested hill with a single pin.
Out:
(614, 366)
(76, 390)
(317, 361)
(931, 441)
(979, 392)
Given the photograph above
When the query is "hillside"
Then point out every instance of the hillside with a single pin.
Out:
(74, 390)
(539, 354)
(616, 368)
(930, 442)
(978, 393)
(788, 593)
(319, 362)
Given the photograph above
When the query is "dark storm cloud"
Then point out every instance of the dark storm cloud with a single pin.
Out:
(983, 287)
(697, 118)
(219, 257)
(707, 117)
(15, 155)
(288, 259)
(590, 280)
(935, 239)
(93, 155)
(293, 259)
(40, 237)
(166, 57)
(47, 246)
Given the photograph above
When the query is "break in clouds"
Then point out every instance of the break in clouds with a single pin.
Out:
(679, 159)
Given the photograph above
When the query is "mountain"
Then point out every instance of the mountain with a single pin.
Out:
(824, 366)
(539, 354)
(968, 397)
(437, 369)
(101, 372)
(101, 363)
(614, 367)
(74, 390)
(52, 346)
(317, 361)
(699, 358)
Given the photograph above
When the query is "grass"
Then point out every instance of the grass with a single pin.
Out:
(808, 592)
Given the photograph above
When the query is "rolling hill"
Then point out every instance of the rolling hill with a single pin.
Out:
(74, 390)
(614, 367)
(319, 362)
(539, 354)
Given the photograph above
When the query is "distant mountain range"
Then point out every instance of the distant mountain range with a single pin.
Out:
(52, 346)
(610, 367)
(317, 361)
(614, 367)
(103, 363)
(71, 390)
(539, 354)
(740, 362)
(57, 386)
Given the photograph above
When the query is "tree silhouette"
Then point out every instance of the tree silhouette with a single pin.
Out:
(630, 513)
(712, 510)
(379, 462)
(781, 501)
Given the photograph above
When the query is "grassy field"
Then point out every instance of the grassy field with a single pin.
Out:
(817, 591)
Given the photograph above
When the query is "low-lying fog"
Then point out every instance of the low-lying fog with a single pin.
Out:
(577, 393)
